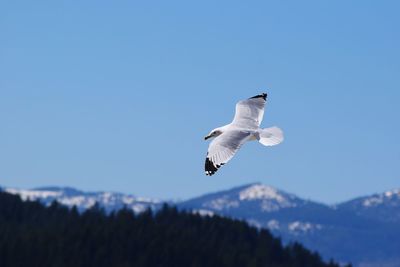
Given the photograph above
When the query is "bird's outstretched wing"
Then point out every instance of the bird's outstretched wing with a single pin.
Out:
(223, 148)
(249, 113)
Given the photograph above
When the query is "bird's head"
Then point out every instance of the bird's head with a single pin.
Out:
(213, 133)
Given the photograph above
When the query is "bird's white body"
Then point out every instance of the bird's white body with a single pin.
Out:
(244, 127)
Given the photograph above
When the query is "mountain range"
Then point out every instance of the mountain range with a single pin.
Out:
(364, 231)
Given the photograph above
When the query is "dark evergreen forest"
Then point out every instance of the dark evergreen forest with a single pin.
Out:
(34, 235)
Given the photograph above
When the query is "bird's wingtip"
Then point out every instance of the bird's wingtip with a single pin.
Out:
(263, 96)
(210, 167)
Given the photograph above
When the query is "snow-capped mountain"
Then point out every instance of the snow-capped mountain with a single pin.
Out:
(70, 197)
(364, 231)
(265, 198)
(384, 207)
(260, 205)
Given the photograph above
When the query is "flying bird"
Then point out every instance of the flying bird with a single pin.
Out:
(244, 127)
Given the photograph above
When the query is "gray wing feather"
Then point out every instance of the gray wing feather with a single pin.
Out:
(249, 113)
(223, 148)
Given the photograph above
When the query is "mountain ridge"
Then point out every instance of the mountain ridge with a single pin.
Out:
(69, 196)
(393, 191)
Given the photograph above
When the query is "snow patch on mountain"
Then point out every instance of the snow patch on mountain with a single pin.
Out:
(373, 201)
(84, 200)
(392, 193)
(203, 212)
(259, 191)
(32, 194)
(270, 206)
(78, 201)
(379, 199)
(140, 207)
(255, 223)
(221, 203)
(273, 225)
(271, 198)
(297, 227)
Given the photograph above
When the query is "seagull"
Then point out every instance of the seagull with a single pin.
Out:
(244, 127)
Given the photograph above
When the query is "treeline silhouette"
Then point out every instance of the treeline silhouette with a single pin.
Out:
(34, 235)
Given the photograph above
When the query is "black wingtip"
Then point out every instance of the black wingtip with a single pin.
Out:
(210, 168)
(263, 96)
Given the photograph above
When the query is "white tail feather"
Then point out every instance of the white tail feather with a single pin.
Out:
(270, 136)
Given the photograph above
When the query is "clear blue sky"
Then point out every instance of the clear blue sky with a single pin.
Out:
(118, 95)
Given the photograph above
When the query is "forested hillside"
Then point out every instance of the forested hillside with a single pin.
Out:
(34, 235)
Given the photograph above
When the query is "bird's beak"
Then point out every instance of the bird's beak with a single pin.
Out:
(208, 136)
